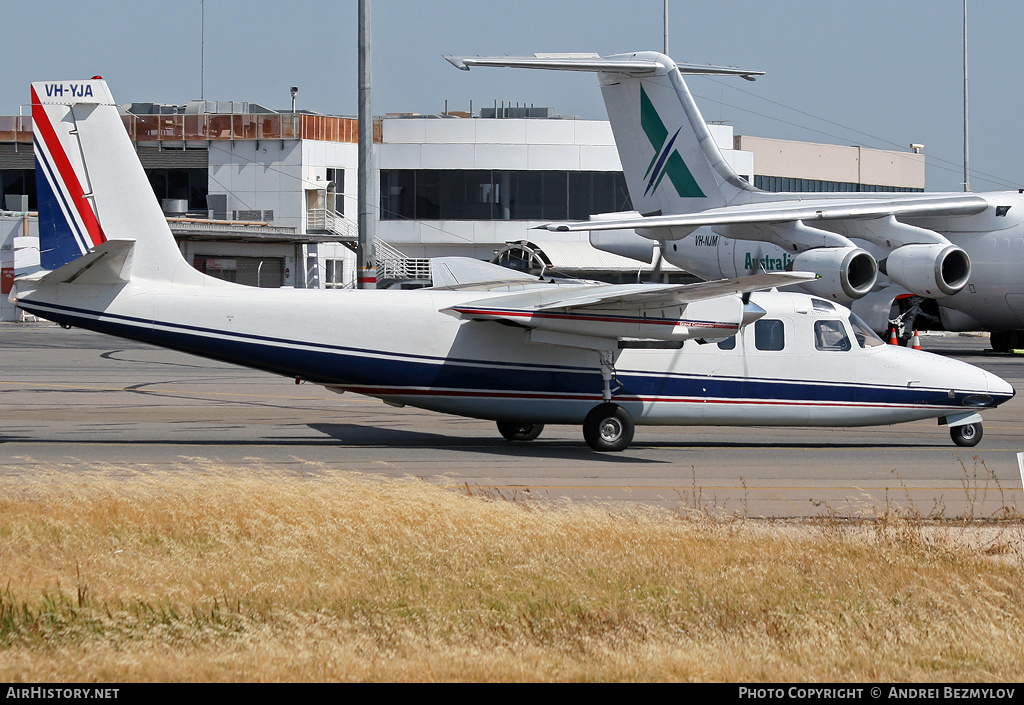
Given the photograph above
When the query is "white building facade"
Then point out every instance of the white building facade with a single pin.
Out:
(467, 186)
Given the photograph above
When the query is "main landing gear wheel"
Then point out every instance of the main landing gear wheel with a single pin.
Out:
(608, 428)
(515, 431)
(967, 435)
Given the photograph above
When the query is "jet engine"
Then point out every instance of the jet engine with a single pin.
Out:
(934, 270)
(844, 272)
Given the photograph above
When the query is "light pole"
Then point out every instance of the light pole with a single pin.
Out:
(366, 274)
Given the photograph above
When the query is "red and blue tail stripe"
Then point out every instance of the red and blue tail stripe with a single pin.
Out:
(68, 227)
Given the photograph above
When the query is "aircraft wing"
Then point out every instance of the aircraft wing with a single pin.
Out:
(806, 210)
(644, 296)
(606, 312)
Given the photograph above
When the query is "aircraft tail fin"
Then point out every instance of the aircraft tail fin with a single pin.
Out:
(90, 184)
(671, 162)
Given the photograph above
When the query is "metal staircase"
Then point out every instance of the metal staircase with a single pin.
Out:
(392, 264)
(325, 220)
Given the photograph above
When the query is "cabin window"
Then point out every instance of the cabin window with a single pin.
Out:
(831, 336)
(769, 334)
(727, 344)
(866, 337)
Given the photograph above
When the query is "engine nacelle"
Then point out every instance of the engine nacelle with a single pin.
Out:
(625, 243)
(845, 273)
(935, 270)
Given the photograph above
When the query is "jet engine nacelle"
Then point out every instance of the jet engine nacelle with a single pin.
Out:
(935, 270)
(845, 272)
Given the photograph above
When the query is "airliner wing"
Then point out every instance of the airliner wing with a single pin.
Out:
(806, 210)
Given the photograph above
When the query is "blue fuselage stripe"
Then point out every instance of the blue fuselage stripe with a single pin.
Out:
(389, 372)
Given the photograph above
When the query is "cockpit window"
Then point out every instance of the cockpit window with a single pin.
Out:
(769, 334)
(831, 336)
(727, 344)
(866, 337)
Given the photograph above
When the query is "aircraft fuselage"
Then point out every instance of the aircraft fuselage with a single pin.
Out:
(399, 347)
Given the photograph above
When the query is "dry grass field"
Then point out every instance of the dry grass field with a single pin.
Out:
(201, 573)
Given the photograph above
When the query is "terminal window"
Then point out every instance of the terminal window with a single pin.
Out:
(485, 194)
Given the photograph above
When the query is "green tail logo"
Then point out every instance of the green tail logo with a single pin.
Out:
(666, 159)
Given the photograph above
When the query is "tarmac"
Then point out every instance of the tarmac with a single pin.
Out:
(82, 402)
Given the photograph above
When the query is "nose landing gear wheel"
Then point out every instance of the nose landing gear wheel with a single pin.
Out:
(966, 436)
(608, 428)
(516, 431)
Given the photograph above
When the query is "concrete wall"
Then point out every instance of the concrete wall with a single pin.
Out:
(827, 162)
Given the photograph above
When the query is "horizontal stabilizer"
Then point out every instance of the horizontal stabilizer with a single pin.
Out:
(623, 63)
(107, 263)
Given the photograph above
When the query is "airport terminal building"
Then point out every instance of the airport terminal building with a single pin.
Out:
(268, 198)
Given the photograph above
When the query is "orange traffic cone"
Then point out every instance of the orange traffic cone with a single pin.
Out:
(915, 342)
(893, 340)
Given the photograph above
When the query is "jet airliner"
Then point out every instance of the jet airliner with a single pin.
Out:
(951, 260)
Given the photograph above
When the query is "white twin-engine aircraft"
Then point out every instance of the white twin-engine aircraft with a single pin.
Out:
(484, 341)
(954, 259)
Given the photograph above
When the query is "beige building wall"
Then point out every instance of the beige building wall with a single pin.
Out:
(828, 162)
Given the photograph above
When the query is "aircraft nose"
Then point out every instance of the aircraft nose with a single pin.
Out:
(989, 391)
(979, 388)
(1000, 387)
